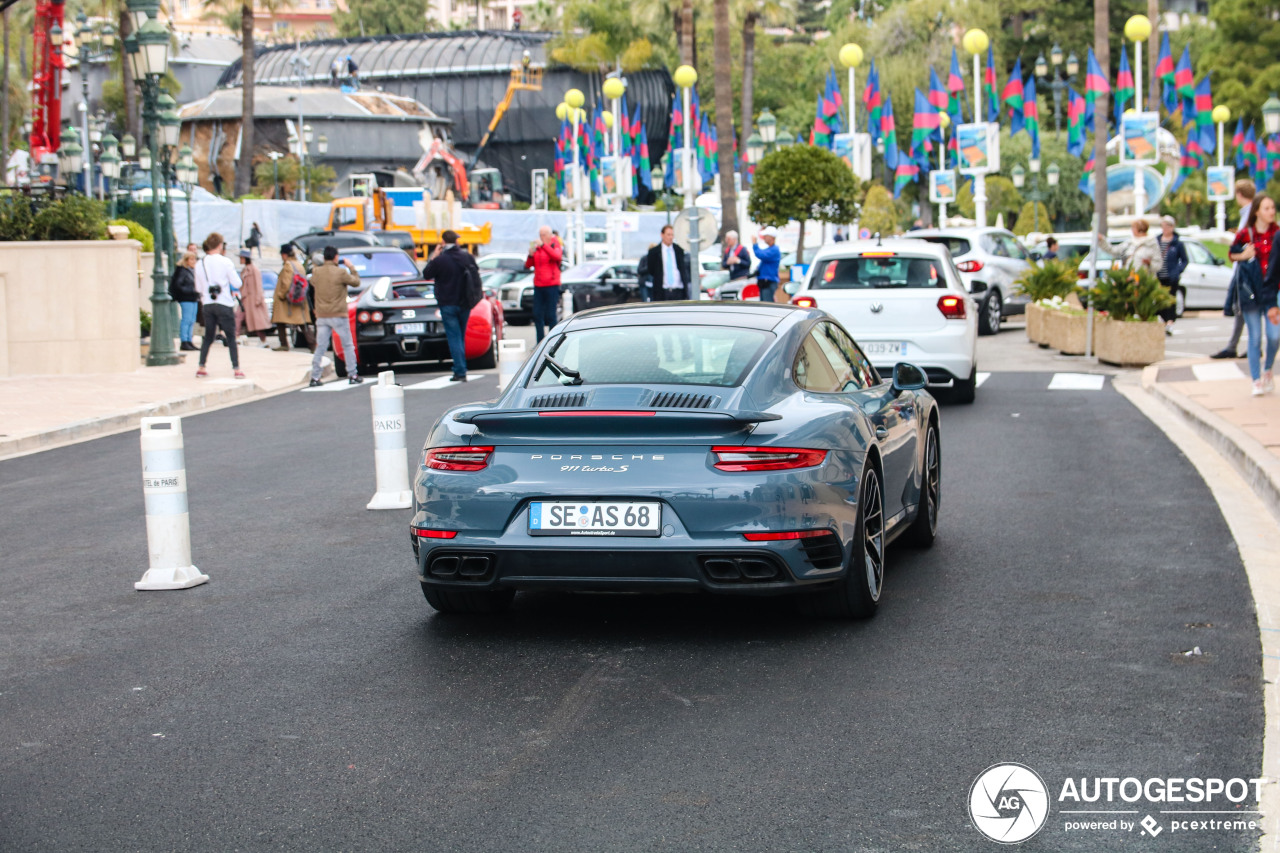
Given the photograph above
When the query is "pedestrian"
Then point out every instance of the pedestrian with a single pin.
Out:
(669, 268)
(1051, 249)
(1246, 190)
(1256, 287)
(254, 240)
(734, 258)
(217, 283)
(253, 304)
(1141, 250)
(644, 277)
(840, 237)
(770, 257)
(545, 255)
(448, 268)
(331, 284)
(917, 225)
(193, 249)
(1173, 262)
(182, 290)
(284, 313)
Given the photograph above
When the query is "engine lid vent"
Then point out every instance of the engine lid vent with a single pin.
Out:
(677, 400)
(565, 400)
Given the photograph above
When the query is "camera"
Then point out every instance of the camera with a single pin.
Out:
(215, 290)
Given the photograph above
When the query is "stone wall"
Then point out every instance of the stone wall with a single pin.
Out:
(69, 307)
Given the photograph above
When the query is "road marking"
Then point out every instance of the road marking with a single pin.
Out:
(1077, 382)
(1216, 371)
(443, 382)
(982, 377)
(338, 385)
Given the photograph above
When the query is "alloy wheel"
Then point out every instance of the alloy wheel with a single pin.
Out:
(994, 313)
(933, 476)
(873, 534)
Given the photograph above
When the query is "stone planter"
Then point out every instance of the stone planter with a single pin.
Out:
(1128, 344)
(1035, 323)
(1066, 331)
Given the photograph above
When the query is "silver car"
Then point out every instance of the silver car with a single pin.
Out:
(990, 260)
(1204, 282)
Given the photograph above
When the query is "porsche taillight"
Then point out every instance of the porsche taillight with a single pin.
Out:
(738, 459)
(458, 458)
(951, 306)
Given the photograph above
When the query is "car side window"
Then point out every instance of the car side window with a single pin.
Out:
(812, 370)
(1198, 254)
(864, 374)
(992, 245)
(1013, 248)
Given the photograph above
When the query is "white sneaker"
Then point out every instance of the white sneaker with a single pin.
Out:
(1259, 389)
(1268, 382)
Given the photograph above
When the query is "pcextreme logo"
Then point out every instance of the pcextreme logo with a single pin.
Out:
(1008, 803)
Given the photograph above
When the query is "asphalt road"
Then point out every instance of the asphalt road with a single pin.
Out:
(307, 698)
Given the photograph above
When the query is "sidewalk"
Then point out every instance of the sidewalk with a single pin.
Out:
(1214, 398)
(41, 412)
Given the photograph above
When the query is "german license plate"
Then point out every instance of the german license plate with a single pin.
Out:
(595, 518)
(875, 348)
(411, 328)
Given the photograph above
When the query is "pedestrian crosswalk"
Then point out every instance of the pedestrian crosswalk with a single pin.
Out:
(433, 384)
(1077, 382)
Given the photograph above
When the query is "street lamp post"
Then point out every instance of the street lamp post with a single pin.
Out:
(1271, 115)
(685, 77)
(1221, 115)
(148, 54)
(851, 58)
(613, 89)
(110, 164)
(1138, 29)
(1057, 81)
(300, 64)
(975, 41)
(275, 172)
(943, 121)
(188, 176)
(573, 101)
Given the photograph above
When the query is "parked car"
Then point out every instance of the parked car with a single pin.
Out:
(501, 260)
(514, 289)
(1203, 285)
(373, 262)
(990, 260)
(728, 449)
(315, 241)
(597, 283)
(394, 322)
(399, 239)
(903, 300)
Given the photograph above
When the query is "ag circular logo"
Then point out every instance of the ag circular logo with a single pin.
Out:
(1008, 803)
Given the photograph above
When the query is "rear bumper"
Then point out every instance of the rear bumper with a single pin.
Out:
(726, 567)
(943, 356)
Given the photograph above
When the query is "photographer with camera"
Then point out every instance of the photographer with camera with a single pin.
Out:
(217, 282)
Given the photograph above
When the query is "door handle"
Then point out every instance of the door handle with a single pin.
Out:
(881, 432)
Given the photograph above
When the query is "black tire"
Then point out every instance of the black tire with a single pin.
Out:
(857, 594)
(965, 391)
(489, 359)
(339, 365)
(924, 529)
(367, 368)
(526, 322)
(990, 314)
(468, 600)
(1180, 303)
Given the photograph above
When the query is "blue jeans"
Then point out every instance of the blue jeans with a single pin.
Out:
(188, 322)
(646, 292)
(546, 304)
(1256, 322)
(455, 319)
(767, 290)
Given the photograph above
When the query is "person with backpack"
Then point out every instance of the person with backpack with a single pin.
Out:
(458, 290)
(1257, 248)
(289, 306)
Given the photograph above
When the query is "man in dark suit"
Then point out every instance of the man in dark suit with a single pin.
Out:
(669, 268)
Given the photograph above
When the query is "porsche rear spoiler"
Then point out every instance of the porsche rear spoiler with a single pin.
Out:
(522, 417)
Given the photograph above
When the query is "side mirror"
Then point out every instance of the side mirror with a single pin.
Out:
(908, 377)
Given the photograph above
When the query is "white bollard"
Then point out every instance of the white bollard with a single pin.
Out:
(164, 488)
(510, 359)
(390, 459)
(566, 304)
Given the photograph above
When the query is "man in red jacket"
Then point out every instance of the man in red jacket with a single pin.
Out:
(544, 259)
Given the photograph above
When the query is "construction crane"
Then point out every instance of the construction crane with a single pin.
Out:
(46, 79)
(524, 78)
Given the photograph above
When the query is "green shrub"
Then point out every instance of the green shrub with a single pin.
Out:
(1055, 278)
(140, 212)
(1027, 219)
(138, 232)
(16, 218)
(1128, 294)
(144, 318)
(72, 218)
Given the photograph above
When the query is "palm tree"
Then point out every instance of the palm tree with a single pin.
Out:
(723, 78)
(753, 12)
(688, 52)
(4, 94)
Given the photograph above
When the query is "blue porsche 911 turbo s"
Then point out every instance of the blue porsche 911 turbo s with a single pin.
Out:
(681, 446)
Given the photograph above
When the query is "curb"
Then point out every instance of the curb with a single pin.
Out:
(1259, 467)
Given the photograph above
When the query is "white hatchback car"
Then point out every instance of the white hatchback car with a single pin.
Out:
(902, 300)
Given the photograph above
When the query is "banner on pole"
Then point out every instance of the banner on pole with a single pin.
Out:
(1138, 130)
(978, 148)
(1222, 182)
(942, 186)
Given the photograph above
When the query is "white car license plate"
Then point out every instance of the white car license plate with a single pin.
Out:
(875, 348)
(595, 518)
(411, 328)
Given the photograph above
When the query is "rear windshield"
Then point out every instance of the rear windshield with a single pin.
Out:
(878, 271)
(668, 355)
(957, 246)
(582, 272)
(414, 290)
(382, 263)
